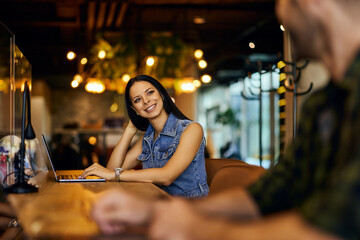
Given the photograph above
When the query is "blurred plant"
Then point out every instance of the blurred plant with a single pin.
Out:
(227, 117)
(120, 58)
(110, 61)
(171, 54)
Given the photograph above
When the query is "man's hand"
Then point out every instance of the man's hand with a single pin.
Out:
(116, 209)
(176, 219)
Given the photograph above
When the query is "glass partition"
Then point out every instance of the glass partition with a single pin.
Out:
(22, 74)
(7, 43)
(14, 71)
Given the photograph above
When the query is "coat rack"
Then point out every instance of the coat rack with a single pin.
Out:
(258, 97)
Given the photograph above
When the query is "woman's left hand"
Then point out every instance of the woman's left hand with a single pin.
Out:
(98, 170)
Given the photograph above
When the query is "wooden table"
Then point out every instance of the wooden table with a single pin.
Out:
(61, 210)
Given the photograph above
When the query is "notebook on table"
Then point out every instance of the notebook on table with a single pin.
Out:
(61, 176)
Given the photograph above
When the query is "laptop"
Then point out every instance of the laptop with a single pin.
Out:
(61, 176)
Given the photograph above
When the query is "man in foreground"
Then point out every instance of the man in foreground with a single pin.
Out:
(314, 191)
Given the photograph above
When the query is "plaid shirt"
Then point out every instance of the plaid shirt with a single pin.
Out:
(319, 173)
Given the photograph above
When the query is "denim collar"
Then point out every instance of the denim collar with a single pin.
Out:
(169, 129)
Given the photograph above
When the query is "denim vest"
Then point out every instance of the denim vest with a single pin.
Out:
(155, 154)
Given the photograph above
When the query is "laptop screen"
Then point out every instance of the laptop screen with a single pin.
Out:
(49, 155)
(71, 177)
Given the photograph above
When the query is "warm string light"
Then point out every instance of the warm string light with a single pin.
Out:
(83, 61)
(74, 84)
(150, 61)
(101, 54)
(206, 78)
(125, 78)
(70, 55)
(187, 87)
(114, 107)
(196, 83)
(198, 53)
(76, 81)
(199, 20)
(92, 140)
(94, 85)
(202, 64)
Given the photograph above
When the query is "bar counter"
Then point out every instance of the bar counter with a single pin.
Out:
(61, 210)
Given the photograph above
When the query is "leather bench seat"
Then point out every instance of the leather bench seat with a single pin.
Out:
(223, 174)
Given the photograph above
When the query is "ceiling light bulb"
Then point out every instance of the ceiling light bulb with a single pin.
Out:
(202, 64)
(126, 78)
(251, 45)
(102, 54)
(92, 140)
(71, 55)
(100, 88)
(196, 83)
(150, 61)
(198, 53)
(94, 86)
(206, 78)
(187, 87)
(89, 87)
(74, 84)
(78, 78)
(83, 61)
(114, 107)
(199, 20)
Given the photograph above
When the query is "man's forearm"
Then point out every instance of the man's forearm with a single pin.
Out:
(233, 204)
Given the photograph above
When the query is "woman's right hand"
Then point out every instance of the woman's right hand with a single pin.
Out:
(113, 210)
(98, 170)
(131, 126)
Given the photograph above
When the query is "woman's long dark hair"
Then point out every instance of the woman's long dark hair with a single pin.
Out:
(169, 106)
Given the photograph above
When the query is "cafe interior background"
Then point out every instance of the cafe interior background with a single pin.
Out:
(226, 63)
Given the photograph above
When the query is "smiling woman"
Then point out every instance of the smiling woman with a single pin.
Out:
(171, 150)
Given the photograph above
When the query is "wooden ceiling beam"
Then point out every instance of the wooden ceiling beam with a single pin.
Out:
(121, 14)
(101, 15)
(91, 15)
(111, 15)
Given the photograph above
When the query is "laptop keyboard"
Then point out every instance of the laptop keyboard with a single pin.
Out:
(74, 176)
(69, 176)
